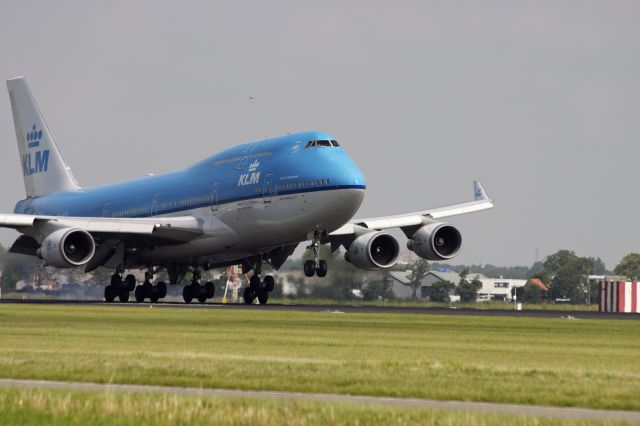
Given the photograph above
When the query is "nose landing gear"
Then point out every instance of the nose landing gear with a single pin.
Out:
(316, 266)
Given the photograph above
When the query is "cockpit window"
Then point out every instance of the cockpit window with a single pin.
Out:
(322, 142)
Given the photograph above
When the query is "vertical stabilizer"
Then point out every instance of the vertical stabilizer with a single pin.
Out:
(43, 168)
(478, 191)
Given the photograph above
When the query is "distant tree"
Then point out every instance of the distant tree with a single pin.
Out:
(468, 291)
(17, 267)
(419, 270)
(440, 291)
(379, 290)
(599, 268)
(531, 293)
(569, 275)
(629, 266)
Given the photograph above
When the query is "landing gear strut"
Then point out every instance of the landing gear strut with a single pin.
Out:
(197, 291)
(316, 266)
(257, 288)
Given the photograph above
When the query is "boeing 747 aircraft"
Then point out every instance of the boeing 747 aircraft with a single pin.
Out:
(248, 205)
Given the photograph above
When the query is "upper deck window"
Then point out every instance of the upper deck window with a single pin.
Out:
(322, 143)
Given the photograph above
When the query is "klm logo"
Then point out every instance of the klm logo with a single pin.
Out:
(251, 178)
(36, 164)
(33, 137)
(38, 161)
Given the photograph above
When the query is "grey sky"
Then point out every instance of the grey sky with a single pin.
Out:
(539, 100)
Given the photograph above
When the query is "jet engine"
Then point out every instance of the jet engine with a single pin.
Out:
(436, 241)
(373, 250)
(68, 248)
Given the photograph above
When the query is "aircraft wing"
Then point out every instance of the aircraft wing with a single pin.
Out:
(481, 202)
(167, 230)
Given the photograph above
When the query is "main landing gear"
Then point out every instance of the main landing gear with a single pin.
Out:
(197, 291)
(121, 288)
(258, 289)
(316, 266)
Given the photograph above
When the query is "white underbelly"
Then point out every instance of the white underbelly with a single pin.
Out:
(244, 228)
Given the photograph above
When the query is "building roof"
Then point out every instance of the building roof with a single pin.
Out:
(451, 276)
(538, 283)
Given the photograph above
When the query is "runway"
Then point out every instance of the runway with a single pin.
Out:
(485, 407)
(351, 309)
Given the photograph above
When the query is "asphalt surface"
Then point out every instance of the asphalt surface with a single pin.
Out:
(352, 309)
(484, 407)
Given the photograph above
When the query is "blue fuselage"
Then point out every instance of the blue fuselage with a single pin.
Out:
(256, 170)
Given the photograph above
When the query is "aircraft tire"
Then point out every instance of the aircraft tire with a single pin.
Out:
(249, 295)
(130, 282)
(210, 289)
(187, 294)
(162, 289)
(123, 295)
(309, 268)
(263, 296)
(116, 281)
(322, 268)
(109, 294)
(254, 283)
(139, 294)
(269, 283)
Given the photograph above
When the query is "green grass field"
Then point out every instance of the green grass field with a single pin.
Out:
(53, 408)
(583, 363)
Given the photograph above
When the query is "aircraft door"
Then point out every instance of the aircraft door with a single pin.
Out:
(214, 197)
(267, 188)
(106, 210)
(154, 204)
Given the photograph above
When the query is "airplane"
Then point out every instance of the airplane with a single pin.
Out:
(249, 205)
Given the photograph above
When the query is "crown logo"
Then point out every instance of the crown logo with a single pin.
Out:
(254, 166)
(33, 137)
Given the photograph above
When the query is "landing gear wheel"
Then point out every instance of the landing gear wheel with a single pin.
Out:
(254, 282)
(202, 294)
(154, 296)
(187, 294)
(263, 296)
(269, 283)
(116, 281)
(249, 295)
(109, 294)
(210, 289)
(309, 268)
(124, 295)
(130, 282)
(322, 268)
(139, 294)
(162, 289)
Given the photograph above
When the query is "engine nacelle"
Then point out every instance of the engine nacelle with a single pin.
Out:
(68, 248)
(436, 241)
(374, 250)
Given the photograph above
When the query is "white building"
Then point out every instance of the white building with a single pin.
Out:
(492, 288)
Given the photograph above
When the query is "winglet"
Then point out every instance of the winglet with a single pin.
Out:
(479, 192)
